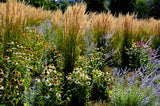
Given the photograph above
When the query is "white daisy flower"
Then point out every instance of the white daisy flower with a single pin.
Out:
(8, 61)
(14, 48)
(30, 67)
(9, 50)
(25, 65)
(15, 63)
(17, 92)
(48, 84)
(20, 46)
(44, 65)
(16, 53)
(31, 54)
(6, 58)
(44, 80)
(59, 74)
(20, 56)
(58, 95)
(46, 96)
(52, 66)
(55, 77)
(51, 89)
(27, 58)
(10, 42)
(37, 80)
(54, 71)
(68, 77)
(88, 83)
(23, 53)
(55, 83)
(1, 87)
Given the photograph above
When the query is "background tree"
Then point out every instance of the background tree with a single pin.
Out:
(121, 6)
(155, 9)
(96, 5)
(142, 8)
(2, 0)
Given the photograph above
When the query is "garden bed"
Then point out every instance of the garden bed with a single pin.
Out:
(73, 58)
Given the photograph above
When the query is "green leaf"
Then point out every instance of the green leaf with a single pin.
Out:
(109, 91)
(17, 101)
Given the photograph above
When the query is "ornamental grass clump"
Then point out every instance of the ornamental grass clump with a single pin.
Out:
(69, 36)
(74, 23)
(100, 25)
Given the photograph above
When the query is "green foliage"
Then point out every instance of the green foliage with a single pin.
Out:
(36, 3)
(156, 44)
(49, 5)
(63, 5)
(124, 42)
(96, 5)
(142, 8)
(128, 96)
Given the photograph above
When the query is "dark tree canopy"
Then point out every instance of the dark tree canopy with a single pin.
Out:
(96, 5)
(155, 9)
(121, 6)
(142, 8)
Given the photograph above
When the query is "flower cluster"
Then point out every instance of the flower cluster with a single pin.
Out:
(49, 85)
(140, 54)
(11, 86)
(79, 77)
(100, 82)
(86, 83)
(79, 86)
(21, 57)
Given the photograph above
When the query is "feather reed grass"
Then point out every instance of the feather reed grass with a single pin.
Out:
(101, 24)
(69, 35)
(56, 19)
(74, 26)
